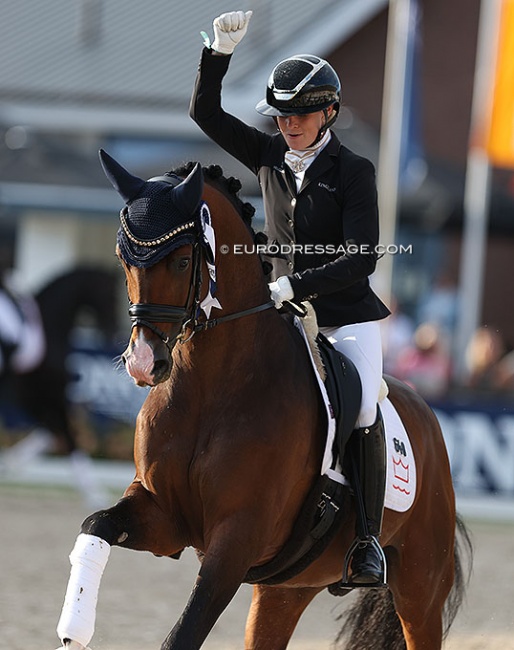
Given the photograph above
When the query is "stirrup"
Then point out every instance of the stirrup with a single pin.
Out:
(345, 584)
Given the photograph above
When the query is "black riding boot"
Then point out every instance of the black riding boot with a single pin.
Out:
(367, 560)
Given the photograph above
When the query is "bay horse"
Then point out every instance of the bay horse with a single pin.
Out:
(229, 441)
(41, 393)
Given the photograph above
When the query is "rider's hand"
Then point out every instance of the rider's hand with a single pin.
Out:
(281, 290)
(229, 29)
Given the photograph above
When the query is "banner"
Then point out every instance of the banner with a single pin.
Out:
(500, 140)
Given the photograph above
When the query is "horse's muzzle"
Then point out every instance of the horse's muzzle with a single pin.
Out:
(147, 362)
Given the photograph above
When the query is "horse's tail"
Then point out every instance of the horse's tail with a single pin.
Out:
(463, 561)
(372, 622)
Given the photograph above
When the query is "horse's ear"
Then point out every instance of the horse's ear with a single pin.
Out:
(127, 185)
(189, 192)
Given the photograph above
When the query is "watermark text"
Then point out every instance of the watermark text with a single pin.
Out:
(317, 249)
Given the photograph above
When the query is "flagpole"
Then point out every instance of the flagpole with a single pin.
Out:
(392, 124)
(477, 188)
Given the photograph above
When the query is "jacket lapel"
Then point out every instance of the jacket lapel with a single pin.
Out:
(288, 177)
(324, 161)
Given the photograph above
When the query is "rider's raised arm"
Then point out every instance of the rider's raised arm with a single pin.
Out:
(240, 140)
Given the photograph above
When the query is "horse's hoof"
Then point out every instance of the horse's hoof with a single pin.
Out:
(72, 645)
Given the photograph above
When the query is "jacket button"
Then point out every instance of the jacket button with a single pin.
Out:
(293, 202)
(290, 222)
(290, 265)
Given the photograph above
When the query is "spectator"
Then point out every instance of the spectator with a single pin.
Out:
(440, 305)
(426, 365)
(483, 354)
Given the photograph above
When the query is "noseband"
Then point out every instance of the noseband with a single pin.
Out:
(146, 314)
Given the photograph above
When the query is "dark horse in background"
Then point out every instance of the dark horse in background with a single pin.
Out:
(85, 292)
(229, 442)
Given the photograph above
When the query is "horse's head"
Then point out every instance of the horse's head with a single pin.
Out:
(166, 245)
(157, 244)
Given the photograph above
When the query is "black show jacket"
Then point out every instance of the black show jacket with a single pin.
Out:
(333, 219)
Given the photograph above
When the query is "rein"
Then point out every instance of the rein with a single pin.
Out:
(212, 322)
(146, 314)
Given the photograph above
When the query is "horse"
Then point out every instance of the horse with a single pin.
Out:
(41, 393)
(229, 443)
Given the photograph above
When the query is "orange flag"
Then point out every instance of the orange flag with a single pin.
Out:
(500, 139)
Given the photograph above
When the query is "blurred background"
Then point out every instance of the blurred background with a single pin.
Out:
(425, 93)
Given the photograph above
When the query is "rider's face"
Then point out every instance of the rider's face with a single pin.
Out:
(300, 131)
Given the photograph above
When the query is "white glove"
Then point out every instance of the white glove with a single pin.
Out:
(281, 290)
(229, 29)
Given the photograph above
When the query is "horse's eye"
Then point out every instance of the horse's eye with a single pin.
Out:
(183, 263)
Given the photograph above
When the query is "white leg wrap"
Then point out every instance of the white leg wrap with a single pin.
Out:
(88, 560)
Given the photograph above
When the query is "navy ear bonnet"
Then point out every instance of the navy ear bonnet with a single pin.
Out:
(161, 214)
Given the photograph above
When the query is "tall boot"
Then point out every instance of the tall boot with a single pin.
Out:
(368, 562)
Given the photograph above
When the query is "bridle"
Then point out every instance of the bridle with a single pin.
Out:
(147, 314)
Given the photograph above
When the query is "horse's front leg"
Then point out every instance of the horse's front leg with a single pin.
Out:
(135, 522)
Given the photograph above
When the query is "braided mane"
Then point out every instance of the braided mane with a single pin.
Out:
(230, 188)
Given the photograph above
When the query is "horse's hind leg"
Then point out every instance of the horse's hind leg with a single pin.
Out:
(422, 624)
(135, 522)
(420, 592)
(274, 614)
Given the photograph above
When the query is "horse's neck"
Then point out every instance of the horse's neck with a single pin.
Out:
(241, 285)
(241, 349)
(243, 341)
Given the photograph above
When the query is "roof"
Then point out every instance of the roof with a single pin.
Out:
(114, 65)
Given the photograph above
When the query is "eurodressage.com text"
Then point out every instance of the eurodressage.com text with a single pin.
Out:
(318, 249)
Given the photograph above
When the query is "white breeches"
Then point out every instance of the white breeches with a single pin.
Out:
(362, 344)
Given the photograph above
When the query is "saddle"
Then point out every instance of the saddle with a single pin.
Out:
(344, 391)
(323, 510)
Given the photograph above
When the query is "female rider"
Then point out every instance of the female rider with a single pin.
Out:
(320, 202)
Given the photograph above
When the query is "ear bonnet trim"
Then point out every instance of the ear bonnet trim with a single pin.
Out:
(152, 242)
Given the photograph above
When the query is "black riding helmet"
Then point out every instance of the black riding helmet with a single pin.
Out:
(301, 84)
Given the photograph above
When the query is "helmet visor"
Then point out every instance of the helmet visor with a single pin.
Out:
(307, 103)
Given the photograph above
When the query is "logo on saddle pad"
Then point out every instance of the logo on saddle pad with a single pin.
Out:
(401, 472)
